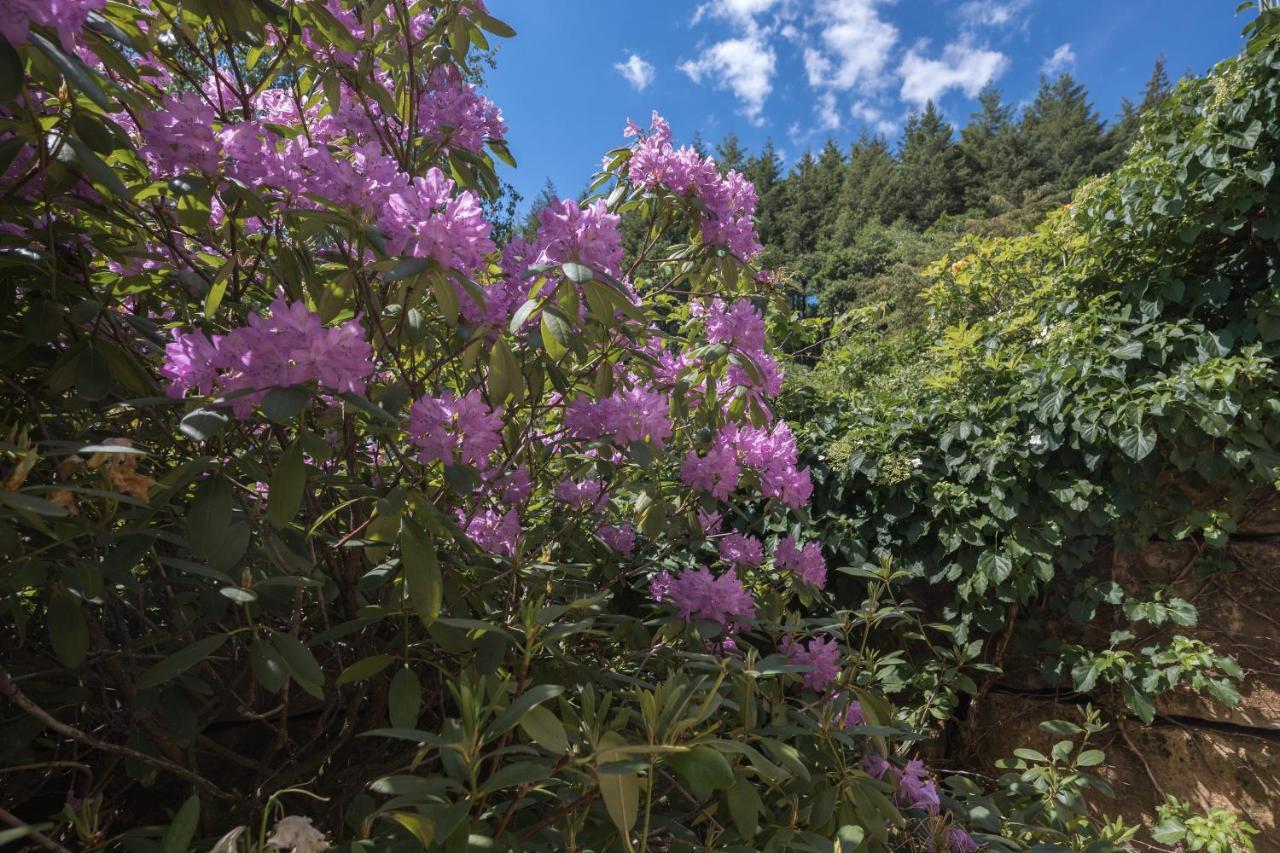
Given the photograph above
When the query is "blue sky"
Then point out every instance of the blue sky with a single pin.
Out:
(800, 71)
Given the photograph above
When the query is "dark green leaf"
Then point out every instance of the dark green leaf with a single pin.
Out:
(288, 484)
(180, 661)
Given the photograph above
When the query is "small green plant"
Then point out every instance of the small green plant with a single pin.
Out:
(1215, 831)
(1046, 793)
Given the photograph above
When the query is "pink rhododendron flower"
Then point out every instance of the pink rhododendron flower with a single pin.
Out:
(585, 493)
(428, 220)
(853, 715)
(875, 765)
(492, 531)
(289, 347)
(455, 429)
(453, 115)
(740, 550)
(66, 17)
(821, 656)
(728, 201)
(619, 537)
(628, 415)
(180, 136)
(805, 563)
(915, 789)
(697, 594)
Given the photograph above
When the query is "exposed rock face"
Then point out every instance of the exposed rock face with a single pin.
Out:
(1198, 750)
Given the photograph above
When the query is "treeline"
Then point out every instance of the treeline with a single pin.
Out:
(842, 217)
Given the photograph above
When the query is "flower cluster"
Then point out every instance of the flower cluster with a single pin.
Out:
(627, 415)
(698, 594)
(290, 347)
(740, 550)
(728, 202)
(453, 115)
(66, 17)
(427, 219)
(821, 656)
(805, 563)
(740, 327)
(772, 453)
(455, 429)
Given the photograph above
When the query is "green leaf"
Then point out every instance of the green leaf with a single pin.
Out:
(621, 794)
(515, 712)
(300, 662)
(404, 699)
(93, 375)
(511, 775)
(504, 373)
(421, 567)
(493, 25)
(203, 424)
(544, 728)
(282, 405)
(364, 668)
(405, 268)
(288, 483)
(98, 171)
(420, 825)
(1137, 443)
(1090, 758)
(1138, 702)
(29, 503)
(577, 273)
(180, 661)
(1168, 831)
(10, 72)
(556, 334)
(1030, 755)
(68, 631)
(182, 831)
(744, 807)
(703, 767)
(73, 69)
(267, 665)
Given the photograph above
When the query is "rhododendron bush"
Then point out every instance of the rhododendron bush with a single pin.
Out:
(328, 521)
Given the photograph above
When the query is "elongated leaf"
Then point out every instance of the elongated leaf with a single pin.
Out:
(180, 661)
(30, 503)
(504, 373)
(421, 573)
(621, 794)
(364, 668)
(703, 767)
(544, 728)
(404, 700)
(301, 663)
(203, 424)
(288, 483)
(68, 631)
(10, 72)
(98, 171)
(73, 69)
(515, 712)
(181, 832)
(267, 664)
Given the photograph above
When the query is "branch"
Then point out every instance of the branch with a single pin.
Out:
(17, 697)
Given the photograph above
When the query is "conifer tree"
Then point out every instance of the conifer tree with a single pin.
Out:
(865, 192)
(992, 153)
(931, 176)
(1064, 138)
(730, 156)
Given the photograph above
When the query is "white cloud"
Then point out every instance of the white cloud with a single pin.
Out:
(637, 72)
(855, 45)
(962, 67)
(1060, 60)
(828, 115)
(743, 65)
(741, 12)
(873, 117)
(992, 13)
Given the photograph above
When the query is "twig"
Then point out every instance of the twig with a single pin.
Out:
(38, 837)
(1142, 758)
(17, 697)
(559, 813)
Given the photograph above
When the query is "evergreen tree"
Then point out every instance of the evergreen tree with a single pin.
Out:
(865, 193)
(547, 195)
(1064, 138)
(931, 176)
(1123, 133)
(992, 153)
(765, 171)
(730, 155)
